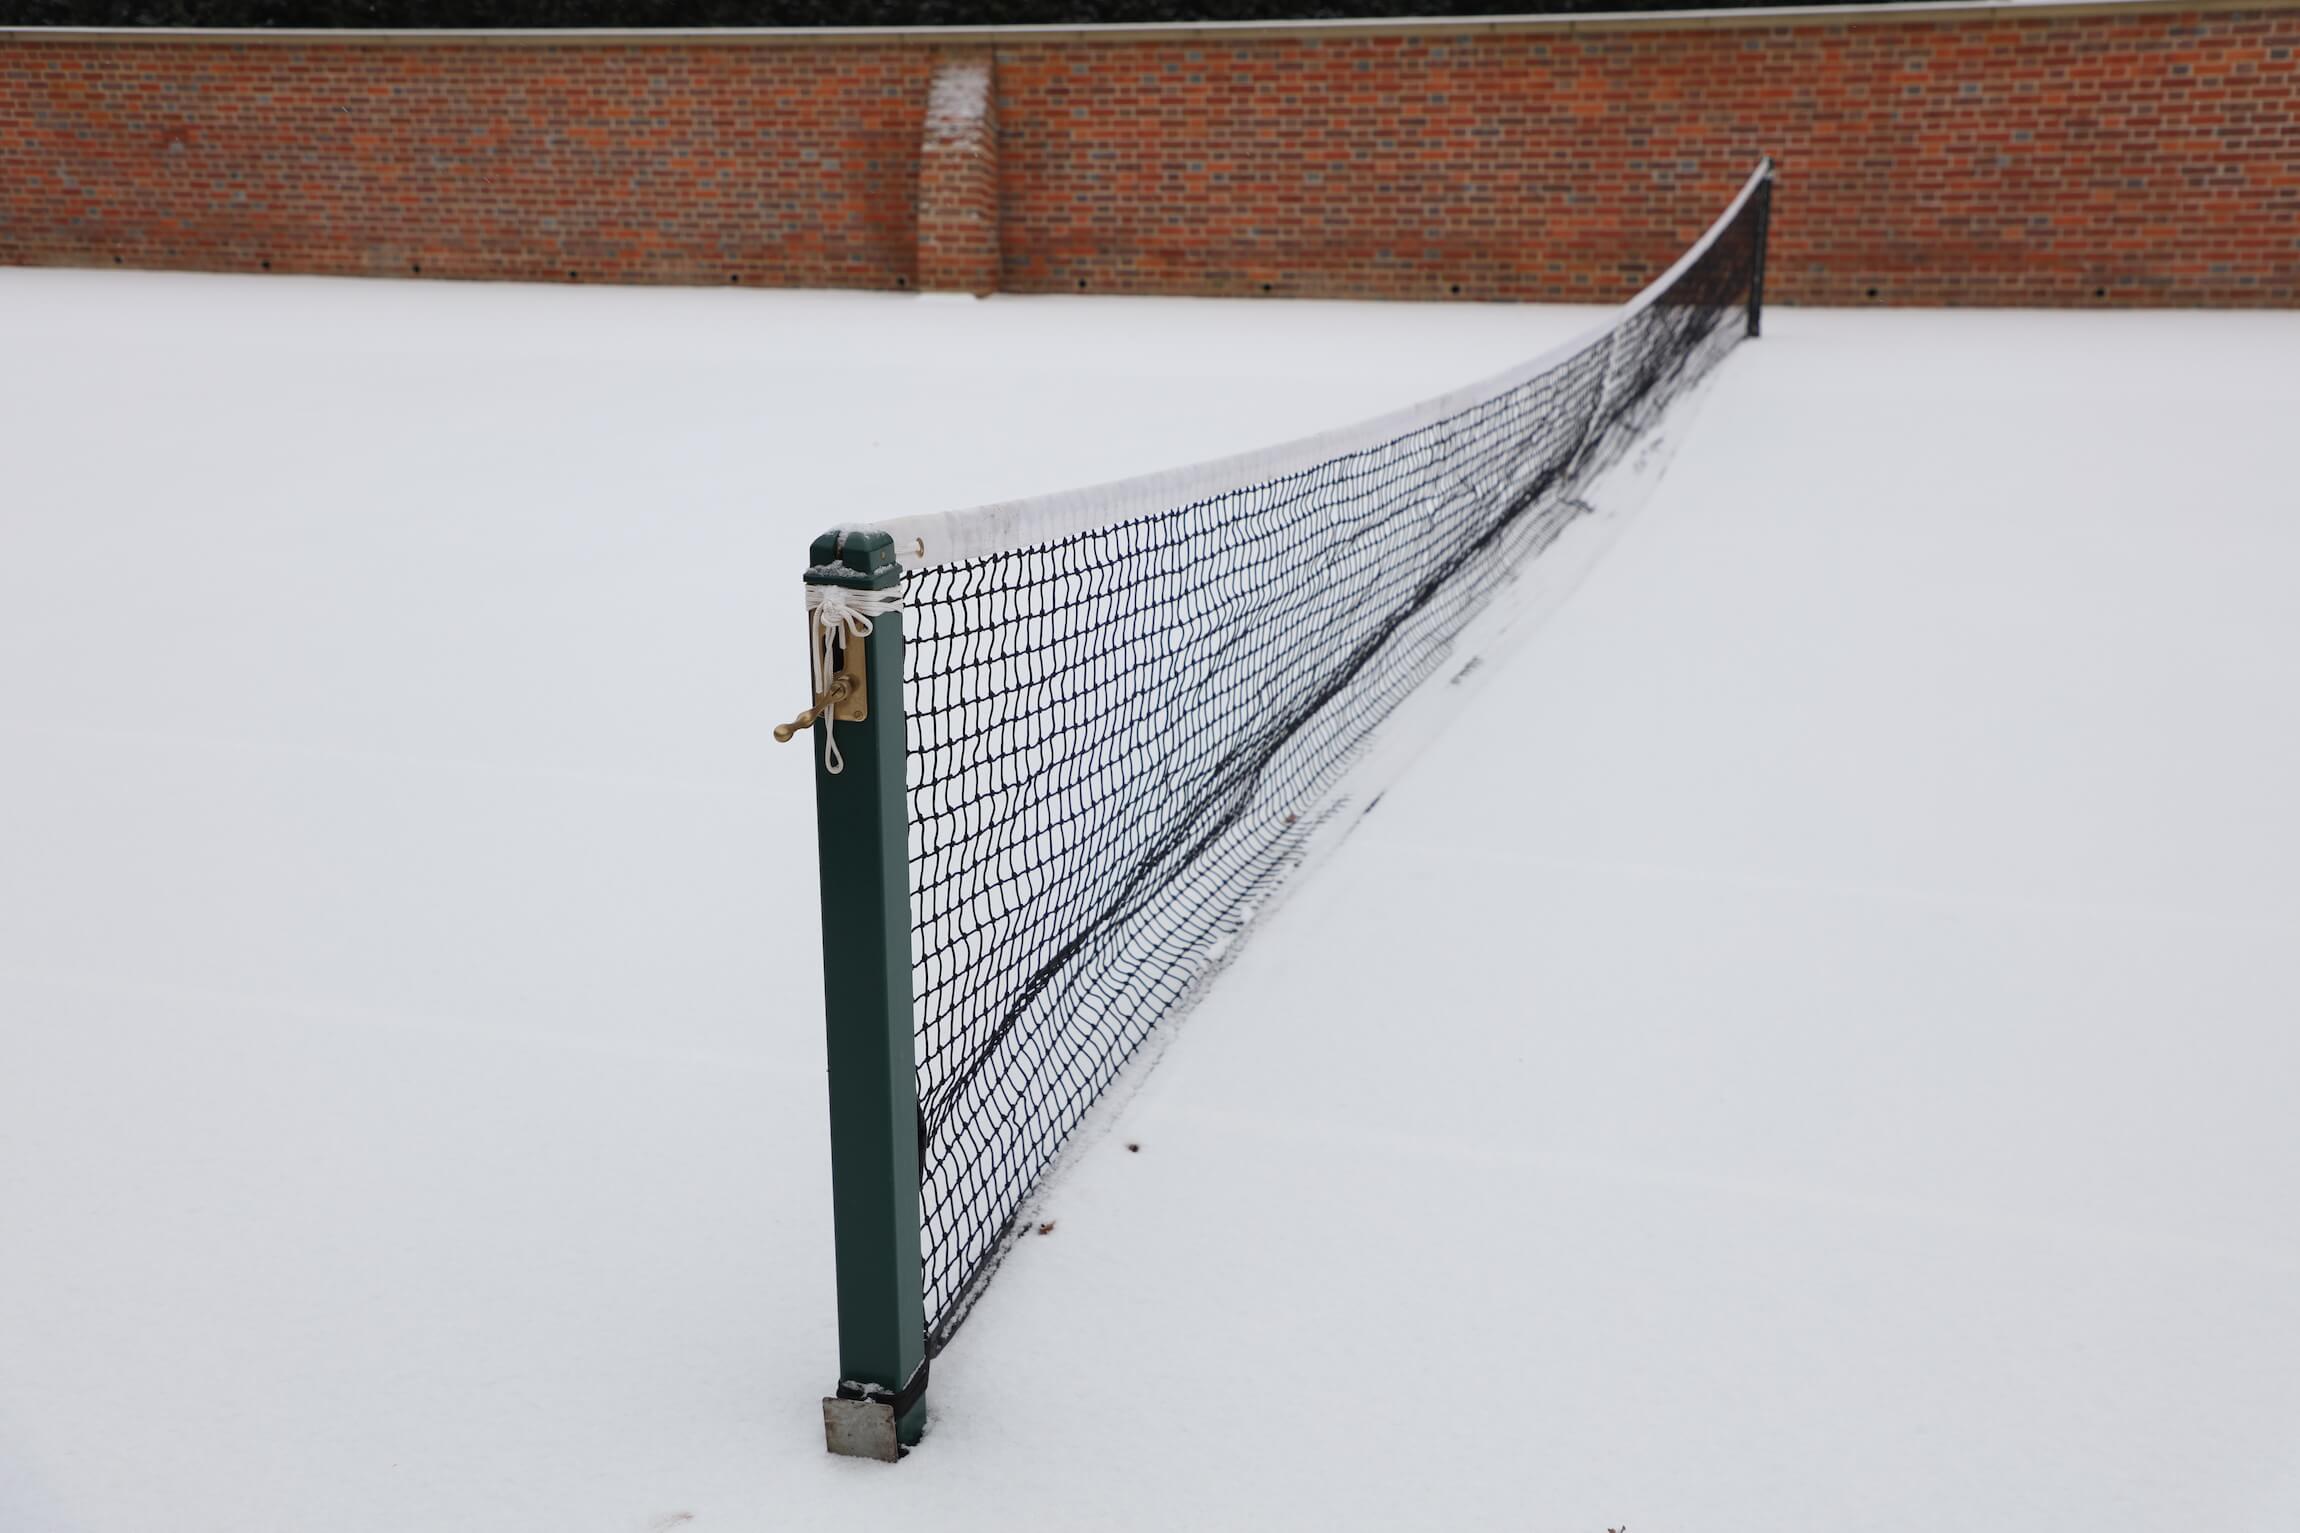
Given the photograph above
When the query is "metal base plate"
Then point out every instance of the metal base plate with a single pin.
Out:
(860, 1429)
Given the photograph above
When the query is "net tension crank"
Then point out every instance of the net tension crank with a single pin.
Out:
(843, 700)
(842, 682)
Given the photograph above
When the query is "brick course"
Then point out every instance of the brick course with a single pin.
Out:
(548, 162)
(2139, 155)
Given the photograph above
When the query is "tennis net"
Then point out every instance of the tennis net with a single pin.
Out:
(1132, 710)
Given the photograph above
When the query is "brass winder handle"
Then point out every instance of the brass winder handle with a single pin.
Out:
(842, 686)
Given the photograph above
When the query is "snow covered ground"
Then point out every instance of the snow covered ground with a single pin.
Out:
(1812, 1047)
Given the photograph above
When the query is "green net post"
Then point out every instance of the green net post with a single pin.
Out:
(862, 835)
(1757, 271)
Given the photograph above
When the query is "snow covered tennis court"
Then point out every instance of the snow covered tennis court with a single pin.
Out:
(1812, 1048)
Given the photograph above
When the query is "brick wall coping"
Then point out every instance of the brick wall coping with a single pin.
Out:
(1151, 32)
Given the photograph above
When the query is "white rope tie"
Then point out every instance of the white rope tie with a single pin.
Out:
(842, 616)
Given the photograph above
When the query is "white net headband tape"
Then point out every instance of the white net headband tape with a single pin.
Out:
(952, 537)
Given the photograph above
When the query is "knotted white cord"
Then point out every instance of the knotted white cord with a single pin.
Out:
(842, 614)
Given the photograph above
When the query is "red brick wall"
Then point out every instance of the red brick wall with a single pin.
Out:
(2150, 158)
(619, 164)
(2144, 155)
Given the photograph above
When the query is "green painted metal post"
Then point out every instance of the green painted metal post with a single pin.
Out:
(1764, 234)
(862, 835)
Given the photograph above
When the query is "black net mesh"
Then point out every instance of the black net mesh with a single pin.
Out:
(1120, 741)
